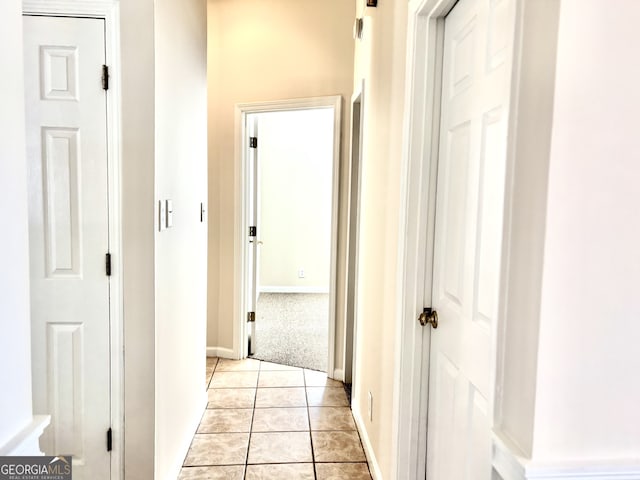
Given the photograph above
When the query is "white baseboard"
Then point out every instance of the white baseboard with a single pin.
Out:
(374, 468)
(220, 352)
(26, 441)
(278, 289)
(510, 464)
(602, 470)
(507, 460)
(338, 374)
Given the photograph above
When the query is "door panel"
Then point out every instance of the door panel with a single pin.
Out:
(68, 230)
(468, 234)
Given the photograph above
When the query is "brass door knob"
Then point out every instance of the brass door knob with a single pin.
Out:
(429, 316)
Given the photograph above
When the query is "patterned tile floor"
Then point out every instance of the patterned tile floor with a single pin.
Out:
(269, 421)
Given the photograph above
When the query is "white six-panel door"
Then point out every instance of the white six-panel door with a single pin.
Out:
(468, 233)
(68, 228)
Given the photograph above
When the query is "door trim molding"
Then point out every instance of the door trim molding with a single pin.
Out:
(425, 34)
(240, 213)
(352, 235)
(109, 11)
(422, 112)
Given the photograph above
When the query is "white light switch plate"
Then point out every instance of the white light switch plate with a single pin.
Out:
(162, 215)
(169, 213)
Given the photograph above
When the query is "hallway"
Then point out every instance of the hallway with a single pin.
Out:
(270, 421)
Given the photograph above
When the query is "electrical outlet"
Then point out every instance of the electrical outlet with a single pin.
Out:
(301, 273)
(370, 407)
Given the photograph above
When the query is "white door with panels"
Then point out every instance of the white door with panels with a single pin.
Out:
(69, 237)
(468, 236)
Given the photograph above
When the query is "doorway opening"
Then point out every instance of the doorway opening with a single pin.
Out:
(290, 159)
(353, 235)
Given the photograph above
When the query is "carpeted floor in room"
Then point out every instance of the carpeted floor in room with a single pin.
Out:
(293, 329)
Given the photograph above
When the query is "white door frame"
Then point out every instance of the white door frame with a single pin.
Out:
(109, 11)
(241, 214)
(353, 236)
(425, 39)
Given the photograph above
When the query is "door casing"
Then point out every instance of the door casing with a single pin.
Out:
(353, 235)
(242, 184)
(108, 10)
(419, 173)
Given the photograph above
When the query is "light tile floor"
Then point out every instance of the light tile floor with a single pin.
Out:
(269, 421)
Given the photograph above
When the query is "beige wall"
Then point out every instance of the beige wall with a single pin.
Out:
(380, 62)
(295, 166)
(15, 348)
(260, 51)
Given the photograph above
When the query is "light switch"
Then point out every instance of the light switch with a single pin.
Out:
(162, 215)
(169, 213)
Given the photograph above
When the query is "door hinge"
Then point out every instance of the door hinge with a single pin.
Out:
(105, 77)
(253, 142)
(109, 440)
(251, 316)
(253, 231)
(107, 264)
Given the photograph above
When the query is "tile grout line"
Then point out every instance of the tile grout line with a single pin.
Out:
(203, 413)
(308, 406)
(306, 398)
(253, 416)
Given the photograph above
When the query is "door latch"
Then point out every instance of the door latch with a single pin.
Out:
(429, 316)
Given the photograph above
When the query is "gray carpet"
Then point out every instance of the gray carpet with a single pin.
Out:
(293, 329)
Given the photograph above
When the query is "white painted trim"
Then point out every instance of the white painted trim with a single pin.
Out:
(417, 210)
(240, 347)
(240, 214)
(109, 10)
(374, 468)
(614, 470)
(422, 116)
(338, 374)
(26, 441)
(510, 464)
(507, 459)
(293, 289)
(221, 352)
(352, 253)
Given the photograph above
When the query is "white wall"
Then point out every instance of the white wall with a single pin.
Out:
(295, 164)
(15, 324)
(161, 362)
(138, 214)
(587, 389)
(526, 196)
(181, 251)
(163, 157)
(569, 394)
